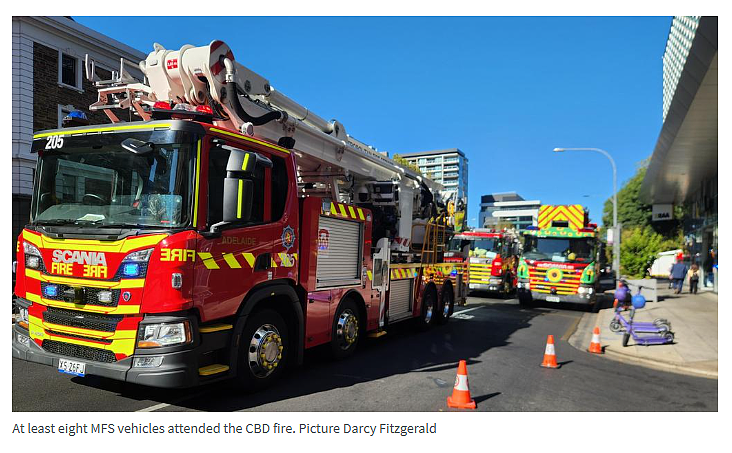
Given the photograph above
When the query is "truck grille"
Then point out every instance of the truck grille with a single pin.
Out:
(89, 296)
(81, 352)
(81, 320)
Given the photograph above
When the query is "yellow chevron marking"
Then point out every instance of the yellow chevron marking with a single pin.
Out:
(360, 213)
(272, 262)
(208, 261)
(342, 208)
(249, 258)
(352, 212)
(333, 209)
(231, 261)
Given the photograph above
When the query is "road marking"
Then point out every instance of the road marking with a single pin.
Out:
(469, 309)
(462, 316)
(156, 407)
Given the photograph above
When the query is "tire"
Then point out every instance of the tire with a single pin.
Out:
(264, 350)
(669, 337)
(615, 326)
(596, 305)
(626, 337)
(346, 330)
(429, 305)
(446, 307)
(525, 300)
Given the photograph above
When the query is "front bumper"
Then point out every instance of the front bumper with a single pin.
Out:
(178, 369)
(571, 298)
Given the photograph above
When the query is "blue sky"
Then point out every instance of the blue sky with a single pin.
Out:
(506, 91)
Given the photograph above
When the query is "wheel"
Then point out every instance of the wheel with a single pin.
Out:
(669, 337)
(662, 323)
(506, 293)
(626, 337)
(263, 351)
(615, 326)
(429, 305)
(596, 305)
(447, 306)
(346, 329)
(525, 300)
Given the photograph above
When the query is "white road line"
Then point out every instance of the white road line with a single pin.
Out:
(156, 407)
(469, 309)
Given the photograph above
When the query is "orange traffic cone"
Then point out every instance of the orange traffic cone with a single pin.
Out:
(461, 393)
(595, 346)
(550, 358)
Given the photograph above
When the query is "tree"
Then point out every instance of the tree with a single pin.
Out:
(640, 246)
(641, 238)
(405, 163)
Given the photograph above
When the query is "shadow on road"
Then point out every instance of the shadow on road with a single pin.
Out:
(401, 351)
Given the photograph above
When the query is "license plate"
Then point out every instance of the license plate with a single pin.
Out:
(71, 367)
(552, 299)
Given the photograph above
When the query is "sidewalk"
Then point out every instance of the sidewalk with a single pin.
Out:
(693, 320)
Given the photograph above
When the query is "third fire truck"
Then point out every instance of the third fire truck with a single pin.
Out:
(561, 258)
(220, 234)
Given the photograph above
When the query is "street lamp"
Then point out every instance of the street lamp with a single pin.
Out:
(616, 233)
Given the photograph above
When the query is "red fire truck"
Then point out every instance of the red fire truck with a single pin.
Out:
(491, 257)
(220, 235)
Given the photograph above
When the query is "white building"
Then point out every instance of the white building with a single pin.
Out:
(449, 167)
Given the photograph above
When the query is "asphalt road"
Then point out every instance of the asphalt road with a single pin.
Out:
(502, 343)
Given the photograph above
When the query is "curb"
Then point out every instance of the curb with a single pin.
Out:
(582, 333)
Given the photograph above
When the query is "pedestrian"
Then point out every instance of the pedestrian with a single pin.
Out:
(670, 280)
(678, 273)
(708, 272)
(693, 278)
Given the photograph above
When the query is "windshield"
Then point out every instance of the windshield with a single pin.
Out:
(485, 247)
(559, 250)
(94, 180)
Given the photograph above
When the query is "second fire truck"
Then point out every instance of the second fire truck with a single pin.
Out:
(220, 235)
(491, 259)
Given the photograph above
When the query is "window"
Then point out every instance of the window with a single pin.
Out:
(279, 187)
(69, 71)
(64, 110)
(217, 160)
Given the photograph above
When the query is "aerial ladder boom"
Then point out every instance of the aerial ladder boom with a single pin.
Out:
(243, 100)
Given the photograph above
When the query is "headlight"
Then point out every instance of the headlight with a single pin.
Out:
(32, 256)
(160, 335)
(139, 256)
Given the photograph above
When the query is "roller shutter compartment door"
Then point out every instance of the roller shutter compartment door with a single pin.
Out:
(339, 256)
(400, 299)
